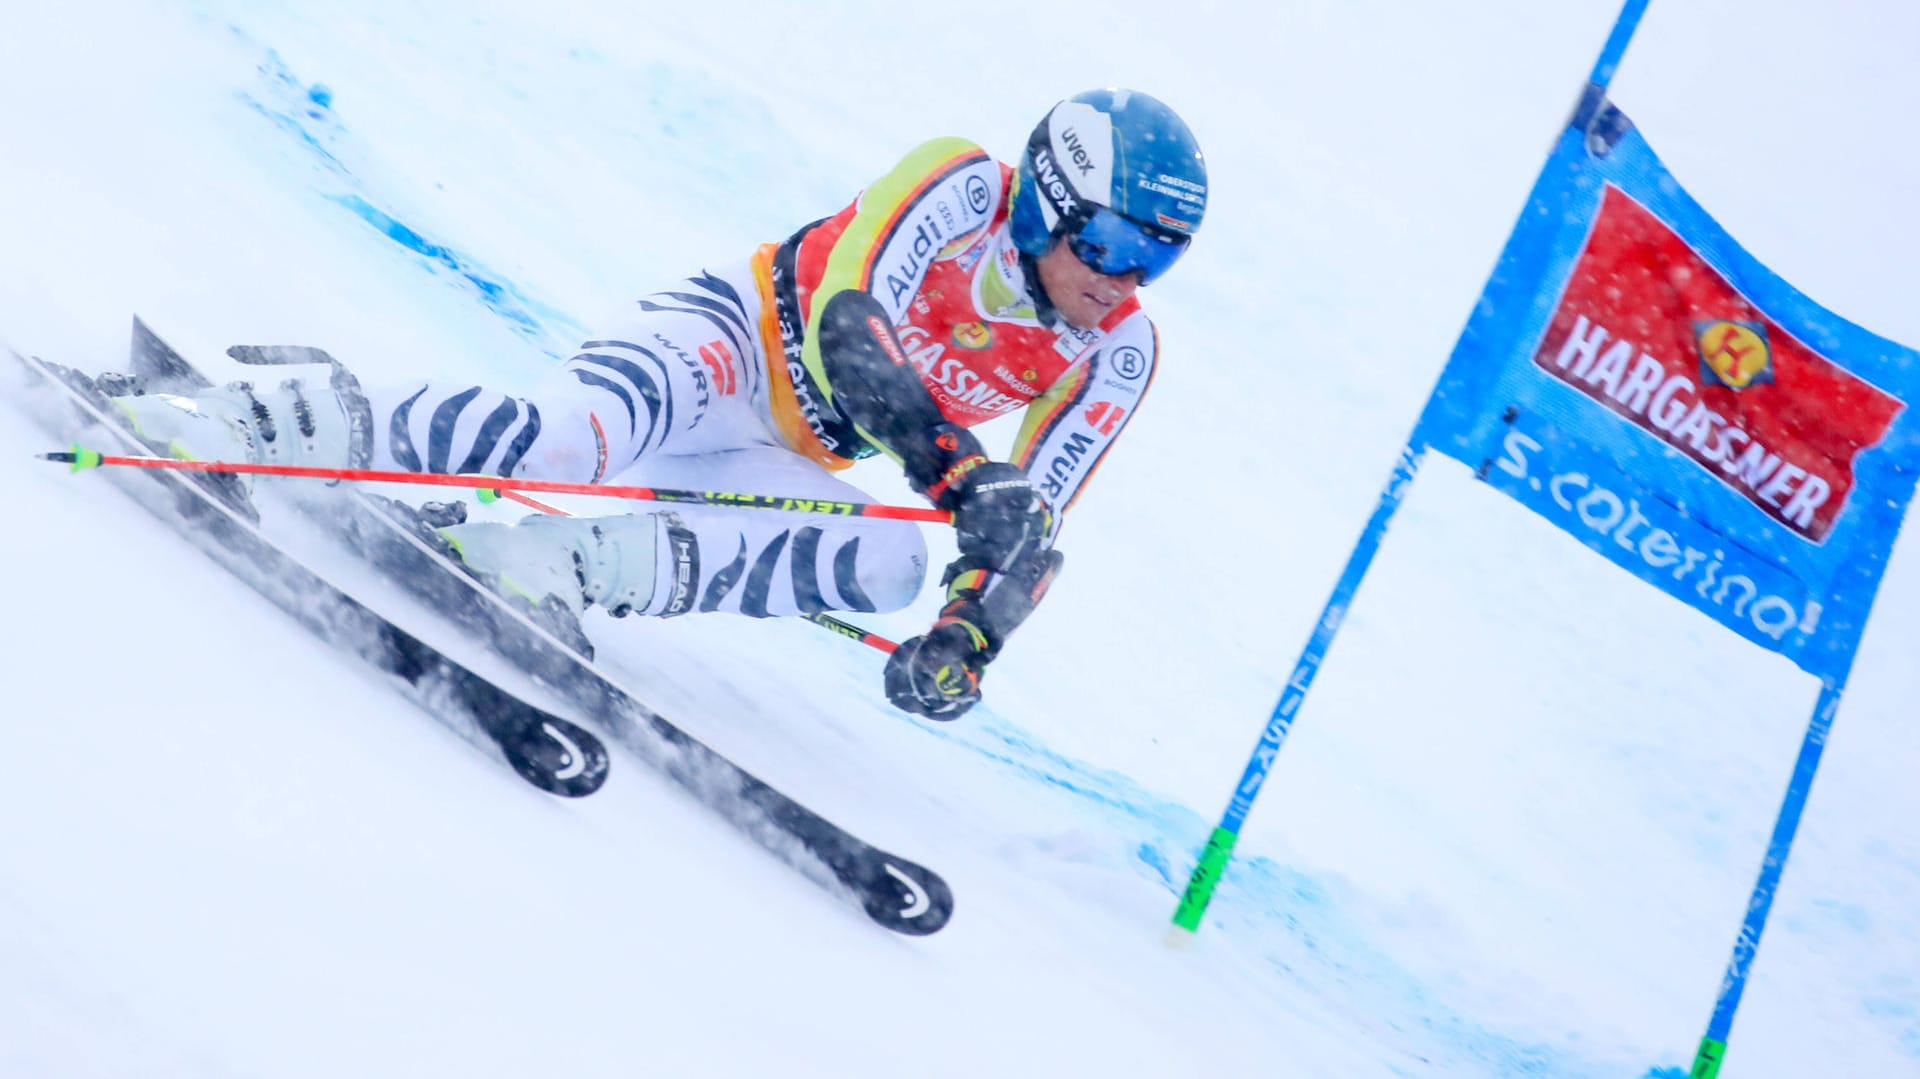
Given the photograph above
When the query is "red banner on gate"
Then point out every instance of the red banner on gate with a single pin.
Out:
(1647, 328)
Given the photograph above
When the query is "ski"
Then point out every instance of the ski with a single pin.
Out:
(895, 893)
(547, 751)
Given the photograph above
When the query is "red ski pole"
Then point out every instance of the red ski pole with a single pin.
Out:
(80, 459)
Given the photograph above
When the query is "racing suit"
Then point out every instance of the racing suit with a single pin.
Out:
(732, 380)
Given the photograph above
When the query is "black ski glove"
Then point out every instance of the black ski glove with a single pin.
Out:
(999, 520)
(937, 674)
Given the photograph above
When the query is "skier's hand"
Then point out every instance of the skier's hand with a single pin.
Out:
(937, 674)
(998, 517)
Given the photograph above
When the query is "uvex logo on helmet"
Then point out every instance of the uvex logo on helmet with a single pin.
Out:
(1078, 151)
(1058, 192)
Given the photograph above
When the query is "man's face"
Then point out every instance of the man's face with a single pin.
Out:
(1082, 294)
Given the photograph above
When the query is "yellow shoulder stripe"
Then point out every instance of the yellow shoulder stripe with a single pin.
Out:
(883, 206)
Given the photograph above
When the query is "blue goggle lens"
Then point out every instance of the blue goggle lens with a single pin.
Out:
(1116, 245)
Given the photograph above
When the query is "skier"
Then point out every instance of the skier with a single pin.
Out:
(953, 290)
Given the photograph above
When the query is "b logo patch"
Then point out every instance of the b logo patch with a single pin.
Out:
(978, 197)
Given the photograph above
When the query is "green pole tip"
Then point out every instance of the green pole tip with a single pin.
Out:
(1206, 876)
(488, 496)
(82, 459)
(1706, 1063)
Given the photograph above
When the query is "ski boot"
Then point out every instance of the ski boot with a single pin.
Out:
(583, 561)
(300, 422)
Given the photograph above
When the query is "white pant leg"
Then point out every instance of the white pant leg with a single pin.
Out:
(451, 427)
(671, 392)
(680, 371)
(677, 372)
(767, 563)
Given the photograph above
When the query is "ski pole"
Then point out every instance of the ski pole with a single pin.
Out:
(488, 495)
(847, 629)
(80, 459)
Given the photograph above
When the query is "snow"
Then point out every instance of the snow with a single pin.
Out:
(1512, 833)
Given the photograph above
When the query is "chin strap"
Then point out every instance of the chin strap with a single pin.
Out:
(1043, 308)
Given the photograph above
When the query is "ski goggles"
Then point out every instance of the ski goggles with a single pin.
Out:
(1114, 245)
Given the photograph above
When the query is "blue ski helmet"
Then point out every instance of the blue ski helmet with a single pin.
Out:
(1116, 173)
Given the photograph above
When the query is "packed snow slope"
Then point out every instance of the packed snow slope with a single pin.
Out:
(1512, 834)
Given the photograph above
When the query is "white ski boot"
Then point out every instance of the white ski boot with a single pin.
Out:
(301, 422)
(580, 560)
